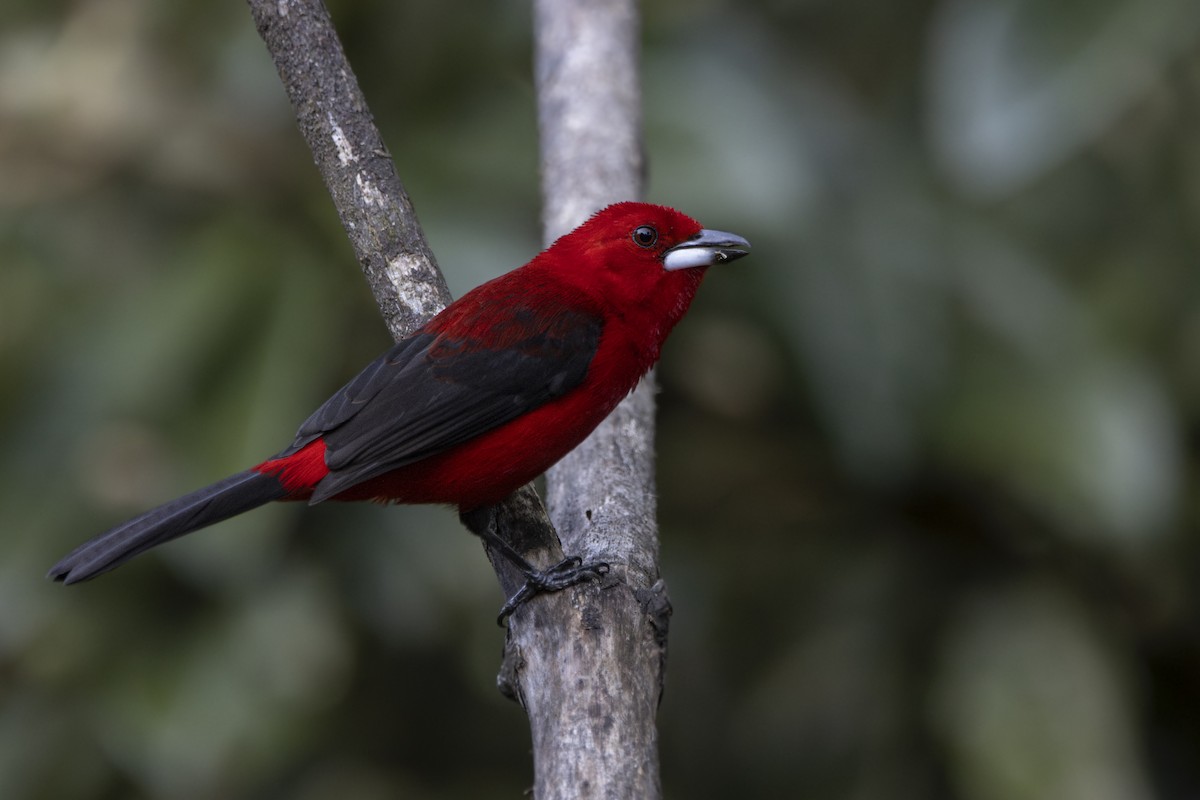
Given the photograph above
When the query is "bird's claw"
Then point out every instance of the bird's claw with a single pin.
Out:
(562, 575)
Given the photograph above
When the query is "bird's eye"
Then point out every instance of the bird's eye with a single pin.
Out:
(644, 236)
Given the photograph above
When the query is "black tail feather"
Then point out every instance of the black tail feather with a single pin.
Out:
(224, 499)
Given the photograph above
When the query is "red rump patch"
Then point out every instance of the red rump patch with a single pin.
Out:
(301, 471)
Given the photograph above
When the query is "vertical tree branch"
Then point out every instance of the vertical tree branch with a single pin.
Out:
(601, 497)
(592, 686)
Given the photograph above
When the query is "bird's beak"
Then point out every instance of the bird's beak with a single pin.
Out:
(705, 249)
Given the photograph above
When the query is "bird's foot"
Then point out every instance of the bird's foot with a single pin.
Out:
(568, 572)
(562, 575)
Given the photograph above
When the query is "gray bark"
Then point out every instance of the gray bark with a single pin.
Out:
(353, 161)
(592, 685)
(586, 663)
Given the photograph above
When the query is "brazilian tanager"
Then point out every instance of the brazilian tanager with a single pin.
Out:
(484, 397)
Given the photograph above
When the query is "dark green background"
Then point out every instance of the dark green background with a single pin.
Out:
(928, 468)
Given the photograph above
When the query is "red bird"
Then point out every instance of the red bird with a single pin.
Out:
(484, 397)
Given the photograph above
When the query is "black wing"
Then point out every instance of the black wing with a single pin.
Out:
(430, 393)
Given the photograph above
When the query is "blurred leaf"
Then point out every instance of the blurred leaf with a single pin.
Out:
(1018, 87)
(1031, 705)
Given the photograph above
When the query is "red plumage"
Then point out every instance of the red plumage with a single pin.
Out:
(485, 396)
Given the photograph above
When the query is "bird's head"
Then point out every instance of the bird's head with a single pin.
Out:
(645, 257)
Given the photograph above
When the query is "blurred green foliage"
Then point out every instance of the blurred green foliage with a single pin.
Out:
(929, 460)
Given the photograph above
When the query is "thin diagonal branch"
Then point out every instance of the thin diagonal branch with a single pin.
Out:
(354, 162)
(378, 216)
